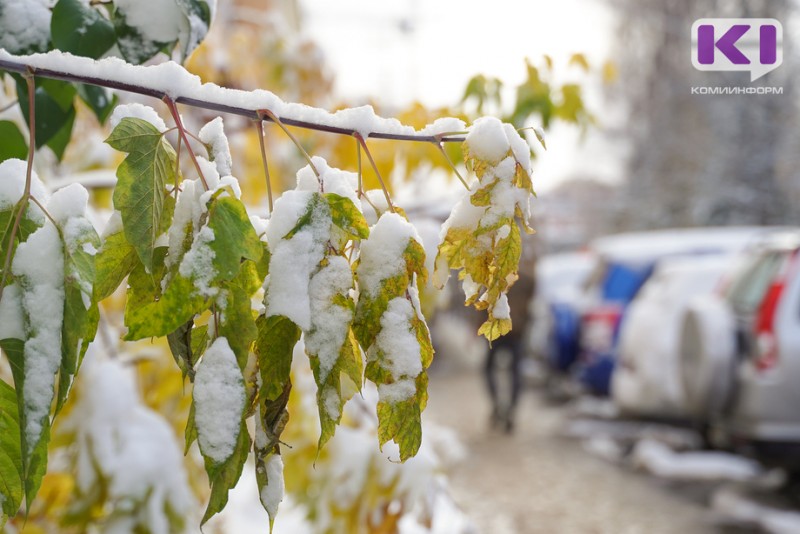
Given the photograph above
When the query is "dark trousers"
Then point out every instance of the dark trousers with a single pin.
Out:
(504, 402)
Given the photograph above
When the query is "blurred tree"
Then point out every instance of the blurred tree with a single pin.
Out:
(703, 159)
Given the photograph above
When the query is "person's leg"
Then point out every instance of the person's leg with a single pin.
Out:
(491, 383)
(515, 369)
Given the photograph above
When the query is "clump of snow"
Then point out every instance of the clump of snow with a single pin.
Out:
(137, 111)
(272, 494)
(444, 125)
(26, 25)
(198, 263)
(155, 20)
(487, 139)
(501, 310)
(294, 260)
(12, 187)
(662, 461)
(397, 341)
(331, 180)
(329, 321)
(382, 253)
(39, 267)
(130, 449)
(219, 397)
(12, 325)
(213, 135)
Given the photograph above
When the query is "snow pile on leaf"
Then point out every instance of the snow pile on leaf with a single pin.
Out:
(390, 326)
(481, 238)
(128, 449)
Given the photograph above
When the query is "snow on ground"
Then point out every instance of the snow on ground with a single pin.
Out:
(733, 506)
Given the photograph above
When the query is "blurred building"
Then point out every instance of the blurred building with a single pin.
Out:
(574, 213)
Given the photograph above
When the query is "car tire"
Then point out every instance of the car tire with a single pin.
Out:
(707, 357)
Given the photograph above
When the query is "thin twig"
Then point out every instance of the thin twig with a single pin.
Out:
(173, 109)
(260, 130)
(44, 210)
(363, 143)
(274, 118)
(73, 74)
(452, 165)
(178, 166)
(23, 201)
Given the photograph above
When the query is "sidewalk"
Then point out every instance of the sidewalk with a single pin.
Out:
(537, 482)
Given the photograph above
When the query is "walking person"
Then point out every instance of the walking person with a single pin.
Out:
(503, 369)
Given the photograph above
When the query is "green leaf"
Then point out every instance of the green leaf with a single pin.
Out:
(235, 238)
(276, 339)
(348, 362)
(238, 325)
(191, 430)
(179, 303)
(14, 144)
(34, 456)
(402, 421)
(80, 29)
(99, 99)
(11, 473)
(81, 314)
(55, 113)
(180, 344)
(346, 216)
(141, 187)
(224, 476)
(114, 261)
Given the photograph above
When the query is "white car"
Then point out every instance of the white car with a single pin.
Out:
(647, 379)
(741, 360)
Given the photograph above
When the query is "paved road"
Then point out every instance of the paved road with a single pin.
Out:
(535, 481)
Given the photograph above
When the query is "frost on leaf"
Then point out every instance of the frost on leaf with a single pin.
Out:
(481, 238)
(390, 326)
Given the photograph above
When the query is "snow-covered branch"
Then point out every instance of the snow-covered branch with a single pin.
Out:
(170, 80)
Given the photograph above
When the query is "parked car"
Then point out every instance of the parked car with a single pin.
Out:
(626, 261)
(647, 381)
(559, 278)
(741, 354)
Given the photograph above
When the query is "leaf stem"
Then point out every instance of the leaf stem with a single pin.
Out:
(173, 109)
(452, 165)
(274, 118)
(260, 130)
(23, 201)
(363, 144)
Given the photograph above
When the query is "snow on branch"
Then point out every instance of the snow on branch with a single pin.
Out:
(171, 81)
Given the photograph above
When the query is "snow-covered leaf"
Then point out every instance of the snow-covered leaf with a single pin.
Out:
(141, 183)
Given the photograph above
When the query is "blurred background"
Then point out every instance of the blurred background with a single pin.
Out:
(651, 382)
